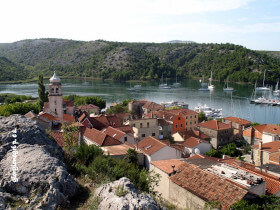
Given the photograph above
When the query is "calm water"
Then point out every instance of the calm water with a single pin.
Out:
(235, 104)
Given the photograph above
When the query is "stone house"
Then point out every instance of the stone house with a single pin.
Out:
(144, 127)
(266, 133)
(188, 186)
(165, 128)
(238, 125)
(90, 109)
(220, 133)
(154, 150)
(266, 153)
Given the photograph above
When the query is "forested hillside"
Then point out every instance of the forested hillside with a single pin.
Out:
(10, 71)
(145, 61)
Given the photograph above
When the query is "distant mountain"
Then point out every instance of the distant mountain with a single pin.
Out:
(144, 61)
(180, 41)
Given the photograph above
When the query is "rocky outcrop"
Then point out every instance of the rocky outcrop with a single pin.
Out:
(122, 194)
(43, 181)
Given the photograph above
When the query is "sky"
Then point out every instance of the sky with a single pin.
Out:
(254, 24)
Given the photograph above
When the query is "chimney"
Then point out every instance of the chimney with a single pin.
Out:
(173, 168)
(230, 124)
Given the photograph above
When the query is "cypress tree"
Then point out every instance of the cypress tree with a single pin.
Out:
(43, 96)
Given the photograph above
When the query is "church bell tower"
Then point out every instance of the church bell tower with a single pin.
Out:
(55, 96)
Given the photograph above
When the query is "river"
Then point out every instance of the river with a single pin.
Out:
(233, 104)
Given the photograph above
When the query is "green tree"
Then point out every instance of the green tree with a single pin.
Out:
(70, 135)
(131, 156)
(201, 117)
(43, 96)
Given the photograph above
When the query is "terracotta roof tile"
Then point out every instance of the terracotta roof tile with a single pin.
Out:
(196, 134)
(58, 137)
(68, 103)
(166, 165)
(192, 142)
(125, 128)
(207, 186)
(48, 116)
(68, 118)
(115, 133)
(30, 115)
(270, 128)
(150, 145)
(184, 112)
(238, 120)
(100, 138)
(214, 125)
(88, 106)
(152, 106)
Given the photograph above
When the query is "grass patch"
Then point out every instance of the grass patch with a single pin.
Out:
(120, 191)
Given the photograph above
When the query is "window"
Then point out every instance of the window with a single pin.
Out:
(194, 116)
(52, 90)
(133, 125)
(194, 122)
(190, 122)
(153, 134)
(176, 126)
(148, 125)
(56, 90)
(186, 117)
(179, 118)
(181, 125)
(161, 133)
(186, 123)
(54, 102)
(141, 125)
(64, 111)
(125, 138)
(191, 117)
(55, 110)
(143, 135)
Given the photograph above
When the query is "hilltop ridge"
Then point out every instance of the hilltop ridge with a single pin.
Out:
(144, 61)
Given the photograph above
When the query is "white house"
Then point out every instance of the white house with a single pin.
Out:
(120, 135)
(155, 150)
(196, 146)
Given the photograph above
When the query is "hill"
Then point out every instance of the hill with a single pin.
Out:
(10, 71)
(145, 61)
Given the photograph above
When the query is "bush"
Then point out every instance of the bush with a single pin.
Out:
(18, 108)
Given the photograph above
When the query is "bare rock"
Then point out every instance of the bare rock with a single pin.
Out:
(43, 180)
(130, 198)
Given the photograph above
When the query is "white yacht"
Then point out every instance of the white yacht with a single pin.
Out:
(204, 86)
(208, 111)
(277, 91)
(263, 88)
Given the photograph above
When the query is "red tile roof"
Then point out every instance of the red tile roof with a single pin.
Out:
(100, 138)
(88, 106)
(152, 106)
(196, 134)
(272, 182)
(270, 146)
(192, 142)
(48, 116)
(68, 103)
(270, 128)
(214, 125)
(150, 145)
(207, 186)
(68, 118)
(115, 133)
(185, 112)
(125, 128)
(58, 137)
(108, 120)
(238, 120)
(166, 165)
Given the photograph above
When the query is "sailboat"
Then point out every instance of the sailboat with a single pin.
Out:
(228, 88)
(203, 85)
(263, 88)
(210, 86)
(277, 91)
(176, 84)
(161, 84)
